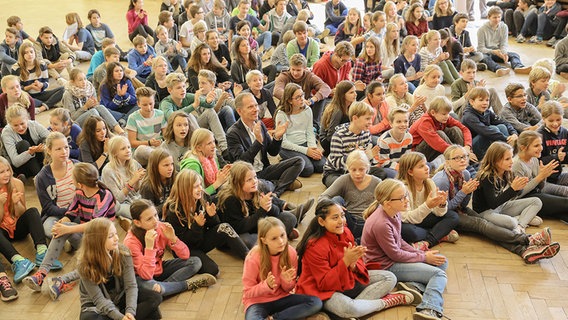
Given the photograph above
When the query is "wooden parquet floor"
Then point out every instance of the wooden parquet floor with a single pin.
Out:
(485, 281)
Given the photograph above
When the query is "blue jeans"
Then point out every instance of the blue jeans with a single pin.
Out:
(492, 61)
(173, 278)
(265, 39)
(480, 144)
(294, 306)
(434, 277)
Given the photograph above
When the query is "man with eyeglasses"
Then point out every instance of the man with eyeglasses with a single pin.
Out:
(517, 111)
(335, 66)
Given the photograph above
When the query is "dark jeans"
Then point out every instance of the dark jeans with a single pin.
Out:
(173, 278)
(355, 223)
(310, 165)
(282, 174)
(178, 61)
(288, 219)
(471, 221)
(28, 223)
(431, 229)
(492, 61)
(33, 166)
(317, 110)
(539, 24)
(514, 19)
(123, 112)
(480, 144)
(294, 306)
(221, 235)
(553, 206)
(143, 30)
(270, 71)
(452, 135)
(49, 97)
(560, 30)
(148, 307)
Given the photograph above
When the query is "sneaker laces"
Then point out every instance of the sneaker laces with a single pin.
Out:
(66, 286)
(396, 299)
(39, 277)
(5, 283)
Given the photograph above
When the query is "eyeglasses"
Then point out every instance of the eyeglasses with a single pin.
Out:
(460, 158)
(298, 97)
(345, 60)
(404, 197)
(520, 96)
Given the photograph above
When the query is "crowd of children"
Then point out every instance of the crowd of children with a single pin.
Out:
(176, 144)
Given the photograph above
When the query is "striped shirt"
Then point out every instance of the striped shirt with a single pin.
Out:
(32, 77)
(65, 187)
(146, 128)
(101, 204)
(343, 142)
(391, 150)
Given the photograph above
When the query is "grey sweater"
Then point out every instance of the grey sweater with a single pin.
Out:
(104, 301)
(356, 201)
(492, 39)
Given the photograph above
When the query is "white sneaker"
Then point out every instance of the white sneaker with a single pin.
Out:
(536, 221)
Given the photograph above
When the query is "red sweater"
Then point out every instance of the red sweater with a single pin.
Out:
(148, 262)
(323, 269)
(325, 70)
(417, 30)
(258, 291)
(426, 129)
(134, 20)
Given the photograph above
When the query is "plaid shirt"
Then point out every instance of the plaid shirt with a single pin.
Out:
(366, 71)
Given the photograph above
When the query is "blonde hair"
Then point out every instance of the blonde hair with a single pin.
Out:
(198, 137)
(360, 109)
(440, 104)
(538, 73)
(395, 111)
(357, 156)
(181, 201)
(392, 45)
(546, 63)
(234, 187)
(24, 98)
(49, 145)
(114, 144)
(16, 111)
(429, 69)
(439, 12)
(427, 36)
(406, 42)
(383, 193)
(174, 78)
(169, 135)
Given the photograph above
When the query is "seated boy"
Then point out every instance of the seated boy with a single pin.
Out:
(222, 100)
(538, 91)
(540, 24)
(218, 19)
(200, 110)
(394, 142)
(166, 19)
(99, 57)
(348, 137)
(9, 50)
(436, 130)
(145, 126)
(462, 86)
(303, 44)
(517, 111)
(140, 59)
(484, 125)
(309, 82)
(16, 22)
(335, 14)
(493, 42)
(55, 53)
(458, 30)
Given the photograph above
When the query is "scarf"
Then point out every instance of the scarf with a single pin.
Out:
(456, 181)
(209, 169)
(81, 93)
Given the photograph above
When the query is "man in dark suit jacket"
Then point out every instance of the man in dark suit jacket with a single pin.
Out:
(248, 140)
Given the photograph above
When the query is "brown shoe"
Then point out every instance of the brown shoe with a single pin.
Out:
(295, 185)
(523, 70)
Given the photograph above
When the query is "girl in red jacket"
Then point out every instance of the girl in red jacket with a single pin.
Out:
(269, 277)
(334, 271)
(147, 241)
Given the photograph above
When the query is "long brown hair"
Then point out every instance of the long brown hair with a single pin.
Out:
(338, 102)
(95, 263)
(406, 163)
(249, 62)
(87, 135)
(234, 187)
(152, 177)
(24, 72)
(285, 105)
(195, 60)
(169, 132)
(488, 165)
(109, 78)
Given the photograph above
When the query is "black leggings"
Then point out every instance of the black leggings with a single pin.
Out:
(143, 30)
(49, 97)
(28, 223)
(431, 229)
(552, 206)
(33, 166)
(147, 308)
(219, 236)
